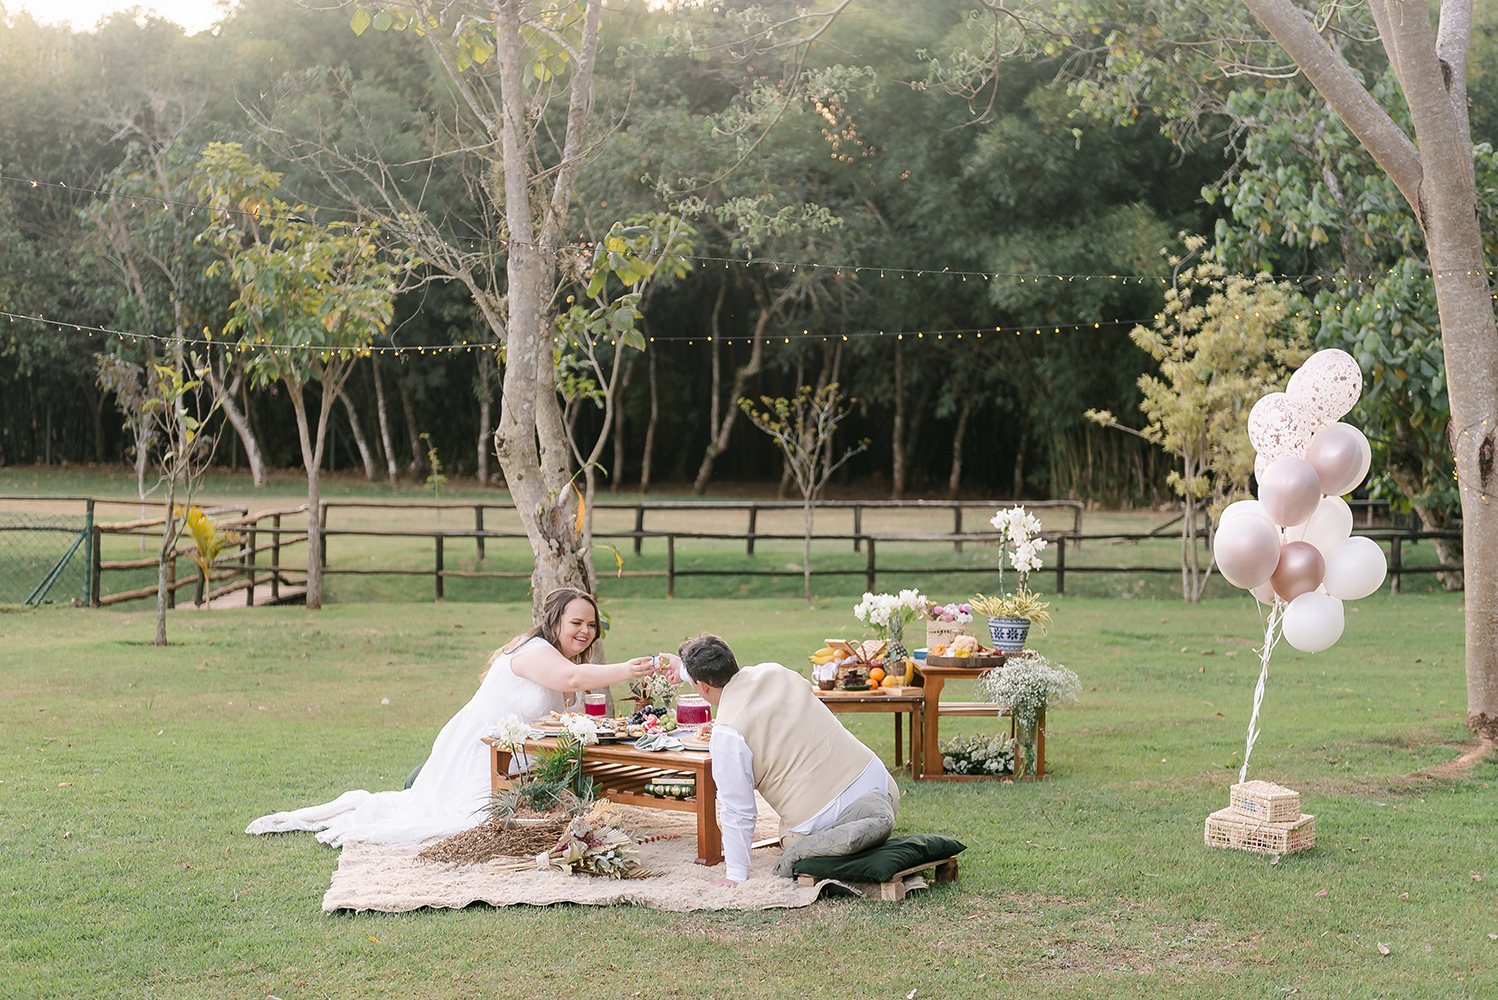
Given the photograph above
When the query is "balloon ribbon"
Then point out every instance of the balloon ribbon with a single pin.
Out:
(1271, 637)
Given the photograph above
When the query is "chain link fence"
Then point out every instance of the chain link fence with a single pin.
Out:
(43, 557)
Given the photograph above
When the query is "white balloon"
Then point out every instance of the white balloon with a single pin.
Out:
(1290, 491)
(1355, 569)
(1240, 507)
(1260, 464)
(1247, 550)
(1313, 622)
(1328, 384)
(1327, 528)
(1367, 457)
(1281, 427)
(1264, 593)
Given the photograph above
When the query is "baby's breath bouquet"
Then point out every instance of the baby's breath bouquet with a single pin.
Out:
(1029, 685)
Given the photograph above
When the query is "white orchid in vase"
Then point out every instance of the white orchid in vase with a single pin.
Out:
(1019, 534)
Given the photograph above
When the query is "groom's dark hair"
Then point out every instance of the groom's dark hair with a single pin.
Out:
(709, 660)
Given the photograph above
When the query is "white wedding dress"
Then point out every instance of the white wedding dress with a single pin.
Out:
(453, 788)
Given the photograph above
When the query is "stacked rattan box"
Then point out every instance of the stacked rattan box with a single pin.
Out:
(1263, 817)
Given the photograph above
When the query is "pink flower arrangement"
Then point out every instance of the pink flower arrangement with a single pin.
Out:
(959, 613)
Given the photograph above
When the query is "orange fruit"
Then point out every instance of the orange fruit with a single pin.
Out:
(876, 674)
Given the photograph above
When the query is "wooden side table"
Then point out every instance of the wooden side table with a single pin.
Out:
(933, 679)
(911, 702)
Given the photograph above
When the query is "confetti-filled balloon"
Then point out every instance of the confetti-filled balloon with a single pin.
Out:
(1281, 427)
(1328, 384)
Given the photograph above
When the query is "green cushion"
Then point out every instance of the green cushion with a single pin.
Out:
(879, 864)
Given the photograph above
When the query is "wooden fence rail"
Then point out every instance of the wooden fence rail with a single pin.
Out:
(247, 573)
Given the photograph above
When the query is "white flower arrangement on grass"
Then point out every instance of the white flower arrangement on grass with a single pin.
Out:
(978, 755)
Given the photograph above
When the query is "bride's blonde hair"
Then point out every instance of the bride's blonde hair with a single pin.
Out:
(553, 606)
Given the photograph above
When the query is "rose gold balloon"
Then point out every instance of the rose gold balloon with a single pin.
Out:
(1300, 570)
(1337, 457)
(1289, 489)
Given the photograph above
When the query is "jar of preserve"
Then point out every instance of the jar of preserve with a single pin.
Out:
(692, 710)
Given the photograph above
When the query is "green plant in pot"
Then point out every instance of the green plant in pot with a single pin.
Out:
(551, 786)
(1028, 685)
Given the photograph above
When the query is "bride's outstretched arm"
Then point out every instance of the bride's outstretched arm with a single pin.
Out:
(550, 669)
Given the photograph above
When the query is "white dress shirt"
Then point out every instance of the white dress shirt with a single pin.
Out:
(733, 772)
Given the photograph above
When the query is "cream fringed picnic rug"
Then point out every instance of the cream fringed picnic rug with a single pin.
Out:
(390, 878)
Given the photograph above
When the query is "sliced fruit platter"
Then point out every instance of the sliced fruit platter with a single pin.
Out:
(964, 651)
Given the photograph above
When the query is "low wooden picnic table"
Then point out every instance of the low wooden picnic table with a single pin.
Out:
(620, 773)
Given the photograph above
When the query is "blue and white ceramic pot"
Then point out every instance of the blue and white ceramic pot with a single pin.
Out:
(1008, 634)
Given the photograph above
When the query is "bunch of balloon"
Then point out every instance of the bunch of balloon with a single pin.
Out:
(1292, 548)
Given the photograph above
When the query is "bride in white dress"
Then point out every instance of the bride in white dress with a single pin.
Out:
(527, 678)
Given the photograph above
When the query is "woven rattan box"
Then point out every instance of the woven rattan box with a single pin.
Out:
(1266, 800)
(1231, 828)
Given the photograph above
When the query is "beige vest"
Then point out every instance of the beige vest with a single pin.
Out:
(803, 757)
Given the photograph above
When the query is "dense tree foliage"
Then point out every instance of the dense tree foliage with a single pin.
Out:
(848, 154)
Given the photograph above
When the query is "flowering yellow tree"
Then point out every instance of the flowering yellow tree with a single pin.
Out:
(1221, 342)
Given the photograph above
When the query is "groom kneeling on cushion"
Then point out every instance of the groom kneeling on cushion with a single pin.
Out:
(833, 794)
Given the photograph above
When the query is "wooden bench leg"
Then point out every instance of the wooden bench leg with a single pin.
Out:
(947, 871)
(892, 892)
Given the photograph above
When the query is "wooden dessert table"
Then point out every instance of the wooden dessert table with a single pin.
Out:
(621, 773)
(910, 701)
(934, 676)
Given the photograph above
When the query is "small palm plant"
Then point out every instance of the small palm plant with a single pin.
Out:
(210, 540)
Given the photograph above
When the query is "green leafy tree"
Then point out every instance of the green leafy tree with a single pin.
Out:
(311, 299)
(1221, 342)
(803, 427)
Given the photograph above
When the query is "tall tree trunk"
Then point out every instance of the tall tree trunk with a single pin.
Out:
(486, 401)
(1019, 469)
(164, 558)
(408, 407)
(828, 378)
(379, 388)
(954, 481)
(365, 455)
(785, 466)
(95, 401)
(655, 413)
(897, 431)
(617, 478)
(1435, 175)
(224, 390)
(531, 443)
(722, 431)
(716, 397)
(313, 441)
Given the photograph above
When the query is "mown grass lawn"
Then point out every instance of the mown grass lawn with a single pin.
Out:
(129, 773)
